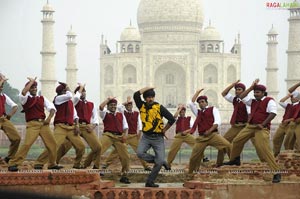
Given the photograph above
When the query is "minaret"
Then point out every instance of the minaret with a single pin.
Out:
(272, 68)
(48, 79)
(293, 52)
(71, 68)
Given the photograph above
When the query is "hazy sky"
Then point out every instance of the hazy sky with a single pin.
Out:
(21, 35)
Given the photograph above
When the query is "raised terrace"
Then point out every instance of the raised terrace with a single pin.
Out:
(250, 180)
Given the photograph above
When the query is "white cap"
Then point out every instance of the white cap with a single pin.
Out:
(296, 94)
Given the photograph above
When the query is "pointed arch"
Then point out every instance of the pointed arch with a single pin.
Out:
(108, 75)
(231, 74)
(210, 75)
(129, 74)
(210, 48)
(170, 83)
(130, 48)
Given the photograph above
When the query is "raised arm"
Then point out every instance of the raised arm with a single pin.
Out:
(294, 87)
(137, 96)
(104, 103)
(197, 94)
(27, 87)
(226, 91)
(285, 97)
(180, 106)
(247, 91)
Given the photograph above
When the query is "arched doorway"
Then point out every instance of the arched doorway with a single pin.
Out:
(170, 84)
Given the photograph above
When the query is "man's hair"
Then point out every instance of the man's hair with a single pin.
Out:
(149, 93)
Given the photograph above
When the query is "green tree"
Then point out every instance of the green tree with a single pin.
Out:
(18, 118)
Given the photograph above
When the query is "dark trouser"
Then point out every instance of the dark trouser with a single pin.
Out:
(156, 142)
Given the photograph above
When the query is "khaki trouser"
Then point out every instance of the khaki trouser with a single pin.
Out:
(262, 144)
(33, 130)
(278, 138)
(12, 134)
(230, 135)
(92, 140)
(61, 133)
(133, 141)
(215, 140)
(176, 145)
(290, 137)
(108, 139)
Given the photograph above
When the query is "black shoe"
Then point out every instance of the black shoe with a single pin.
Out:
(124, 180)
(276, 178)
(38, 167)
(13, 168)
(205, 159)
(56, 167)
(147, 169)
(236, 161)
(6, 159)
(151, 184)
(167, 166)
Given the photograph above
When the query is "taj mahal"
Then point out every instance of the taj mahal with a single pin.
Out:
(172, 51)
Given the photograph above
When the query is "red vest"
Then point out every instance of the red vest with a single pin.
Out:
(64, 113)
(204, 120)
(182, 124)
(295, 112)
(132, 120)
(2, 105)
(113, 123)
(287, 112)
(84, 111)
(34, 108)
(258, 111)
(239, 112)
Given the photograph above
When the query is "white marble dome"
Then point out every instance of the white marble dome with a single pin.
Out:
(272, 31)
(170, 15)
(130, 34)
(71, 33)
(48, 8)
(210, 33)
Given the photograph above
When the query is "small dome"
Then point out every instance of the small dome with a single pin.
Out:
(210, 33)
(71, 32)
(48, 8)
(130, 34)
(272, 31)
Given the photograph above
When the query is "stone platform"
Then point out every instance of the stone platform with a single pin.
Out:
(248, 181)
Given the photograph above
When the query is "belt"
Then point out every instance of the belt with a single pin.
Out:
(38, 120)
(65, 123)
(114, 132)
(152, 134)
(202, 133)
